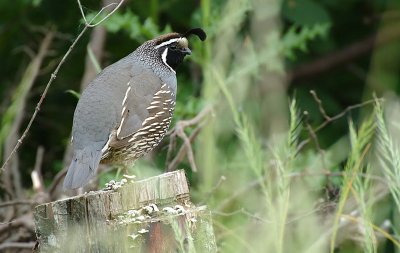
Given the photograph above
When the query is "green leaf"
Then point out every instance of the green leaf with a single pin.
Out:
(296, 38)
(305, 12)
(130, 23)
(73, 93)
(93, 59)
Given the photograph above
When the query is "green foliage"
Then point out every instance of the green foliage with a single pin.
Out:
(389, 155)
(93, 59)
(131, 24)
(73, 93)
(294, 40)
(359, 147)
(305, 12)
(294, 129)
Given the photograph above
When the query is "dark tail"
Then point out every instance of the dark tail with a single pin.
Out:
(83, 167)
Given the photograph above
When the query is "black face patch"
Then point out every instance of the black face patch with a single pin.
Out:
(173, 54)
(174, 57)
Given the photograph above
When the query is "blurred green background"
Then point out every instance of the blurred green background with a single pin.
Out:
(264, 167)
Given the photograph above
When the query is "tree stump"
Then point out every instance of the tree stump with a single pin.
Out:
(154, 215)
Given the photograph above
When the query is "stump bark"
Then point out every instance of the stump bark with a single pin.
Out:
(154, 215)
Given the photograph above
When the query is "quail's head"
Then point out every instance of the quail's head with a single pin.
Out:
(173, 47)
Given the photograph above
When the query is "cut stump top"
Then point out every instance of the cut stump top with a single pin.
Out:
(102, 221)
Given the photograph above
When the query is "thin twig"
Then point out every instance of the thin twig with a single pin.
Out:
(344, 112)
(258, 181)
(25, 220)
(345, 55)
(178, 131)
(53, 77)
(239, 192)
(171, 149)
(241, 211)
(214, 189)
(37, 109)
(20, 245)
(16, 202)
(334, 118)
(301, 145)
(89, 24)
(315, 139)
(186, 148)
(45, 30)
(320, 107)
(189, 150)
(182, 151)
(56, 181)
(12, 176)
(197, 119)
(337, 174)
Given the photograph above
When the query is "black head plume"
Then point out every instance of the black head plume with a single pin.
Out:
(196, 31)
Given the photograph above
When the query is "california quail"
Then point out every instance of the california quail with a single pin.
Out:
(126, 110)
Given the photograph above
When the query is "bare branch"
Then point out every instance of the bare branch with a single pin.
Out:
(342, 56)
(25, 220)
(54, 74)
(315, 139)
(89, 24)
(189, 150)
(44, 30)
(186, 148)
(195, 120)
(214, 189)
(52, 78)
(242, 211)
(11, 178)
(344, 112)
(183, 150)
(239, 192)
(56, 181)
(20, 245)
(320, 107)
(16, 202)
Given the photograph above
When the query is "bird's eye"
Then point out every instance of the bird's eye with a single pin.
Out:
(173, 47)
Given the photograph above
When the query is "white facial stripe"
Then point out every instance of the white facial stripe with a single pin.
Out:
(167, 42)
(164, 59)
(164, 56)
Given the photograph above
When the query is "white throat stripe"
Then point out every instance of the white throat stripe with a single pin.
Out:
(164, 59)
(167, 42)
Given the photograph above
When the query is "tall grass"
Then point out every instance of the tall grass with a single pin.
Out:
(274, 196)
